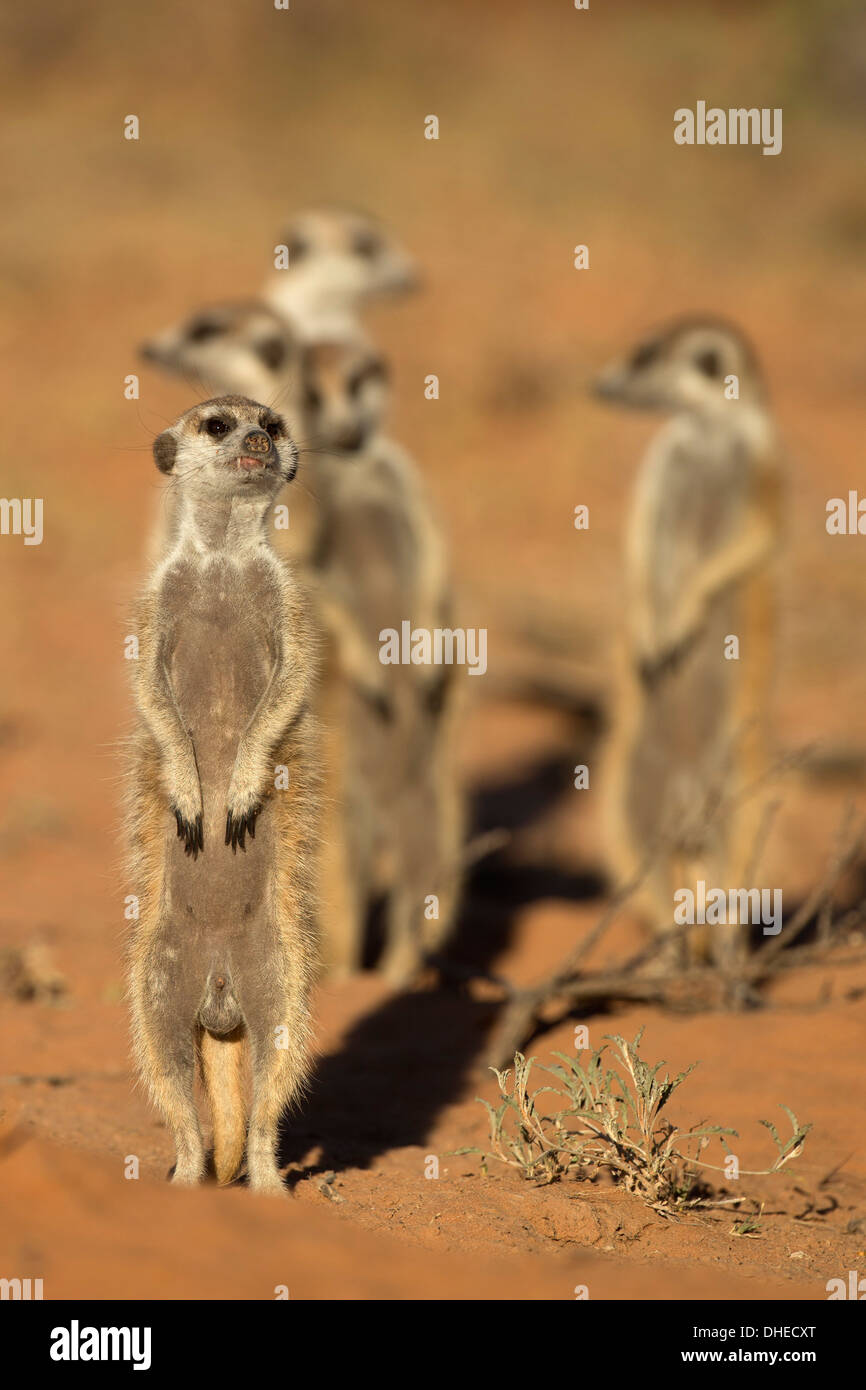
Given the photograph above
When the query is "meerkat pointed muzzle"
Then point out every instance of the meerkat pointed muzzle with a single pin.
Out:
(257, 449)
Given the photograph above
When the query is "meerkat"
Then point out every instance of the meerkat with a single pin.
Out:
(338, 260)
(222, 799)
(689, 743)
(380, 560)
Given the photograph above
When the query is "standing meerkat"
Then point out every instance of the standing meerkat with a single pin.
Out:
(338, 260)
(690, 735)
(381, 560)
(223, 954)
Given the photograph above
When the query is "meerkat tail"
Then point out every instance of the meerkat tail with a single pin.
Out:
(222, 1072)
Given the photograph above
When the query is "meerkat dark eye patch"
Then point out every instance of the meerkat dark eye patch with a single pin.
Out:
(366, 245)
(201, 330)
(298, 249)
(216, 426)
(165, 451)
(272, 426)
(709, 363)
(272, 352)
(372, 371)
(312, 398)
(644, 355)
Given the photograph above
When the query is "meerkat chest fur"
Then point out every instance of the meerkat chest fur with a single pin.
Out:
(218, 612)
(690, 498)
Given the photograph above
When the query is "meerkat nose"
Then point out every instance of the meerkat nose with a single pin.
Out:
(257, 442)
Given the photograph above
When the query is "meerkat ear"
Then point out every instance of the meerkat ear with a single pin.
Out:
(165, 451)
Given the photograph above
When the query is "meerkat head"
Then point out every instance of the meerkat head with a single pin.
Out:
(344, 391)
(686, 366)
(349, 252)
(241, 347)
(228, 447)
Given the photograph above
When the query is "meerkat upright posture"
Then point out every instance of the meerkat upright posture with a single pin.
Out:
(690, 734)
(223, 953)
(338, 260)
(381, 560)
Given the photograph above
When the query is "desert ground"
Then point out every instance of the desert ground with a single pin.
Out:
(555, 129)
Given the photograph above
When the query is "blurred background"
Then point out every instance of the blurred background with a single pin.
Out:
(556, 128)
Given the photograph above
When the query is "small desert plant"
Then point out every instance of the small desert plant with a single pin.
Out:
(611, 1120)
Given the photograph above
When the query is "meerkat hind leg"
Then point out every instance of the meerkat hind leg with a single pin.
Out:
(169, 1055)
(279, 1069)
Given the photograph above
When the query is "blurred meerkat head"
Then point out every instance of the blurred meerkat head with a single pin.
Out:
(225, 448)
(344, 392)
(337, 260)
(687, 366)
(244, 348)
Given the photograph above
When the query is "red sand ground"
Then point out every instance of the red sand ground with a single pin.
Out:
(551, 134)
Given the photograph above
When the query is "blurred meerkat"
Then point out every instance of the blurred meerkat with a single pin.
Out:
(381, 560)
(690, 735)
(338, 260)
(223, 954)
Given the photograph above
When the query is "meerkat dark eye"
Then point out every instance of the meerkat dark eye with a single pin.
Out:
(298, 249)
(644, 355)
(312, 398)
(709, 363)
(366, 246)
(272, 352)
(273, 428)
(373, 371)
(215, 426)
(202, 330)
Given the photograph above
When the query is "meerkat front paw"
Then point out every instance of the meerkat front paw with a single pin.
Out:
(186, 807)
(237, 826)
(191, 832)
(244, 803)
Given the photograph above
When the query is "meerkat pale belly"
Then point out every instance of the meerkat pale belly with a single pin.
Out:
(217, 905)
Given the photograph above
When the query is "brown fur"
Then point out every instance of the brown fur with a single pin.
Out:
(390, 765)
(224, 951)
(689, 744)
